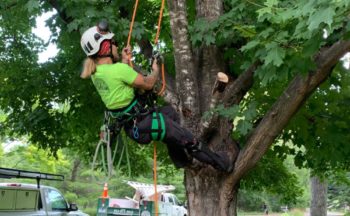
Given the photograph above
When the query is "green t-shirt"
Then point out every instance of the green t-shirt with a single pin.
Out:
(113, 83)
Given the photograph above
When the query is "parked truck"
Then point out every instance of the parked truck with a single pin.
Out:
(18, 199)
(143, 202)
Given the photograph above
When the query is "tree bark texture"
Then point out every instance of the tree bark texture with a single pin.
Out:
(210, 192)
(186, 79)
(318, 197)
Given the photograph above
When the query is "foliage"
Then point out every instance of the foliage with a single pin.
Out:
(20, 156)
(338, 190)
(261, 185)
(322, 125)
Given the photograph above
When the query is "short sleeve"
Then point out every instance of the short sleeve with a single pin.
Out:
(128, 75)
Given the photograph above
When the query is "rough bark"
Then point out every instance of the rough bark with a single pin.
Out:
(318, 197)
(186, 79)
(207, 66)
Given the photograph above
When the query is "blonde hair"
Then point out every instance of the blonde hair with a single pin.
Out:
(89, 68)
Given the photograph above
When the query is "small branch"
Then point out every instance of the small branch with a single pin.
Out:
(233, 94)
(237, 90)
(219, 87)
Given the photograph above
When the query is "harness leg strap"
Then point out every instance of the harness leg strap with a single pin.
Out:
(158, 126)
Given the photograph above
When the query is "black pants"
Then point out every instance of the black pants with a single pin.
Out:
(180, 142)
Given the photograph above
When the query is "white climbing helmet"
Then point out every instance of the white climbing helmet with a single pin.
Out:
(92, 39)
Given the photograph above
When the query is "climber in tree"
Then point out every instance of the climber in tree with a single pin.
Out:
(116, 83)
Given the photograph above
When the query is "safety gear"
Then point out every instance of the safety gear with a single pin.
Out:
(92, 39)
(105, 48)
(219, 160)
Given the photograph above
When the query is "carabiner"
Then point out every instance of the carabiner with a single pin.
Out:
(135, 130)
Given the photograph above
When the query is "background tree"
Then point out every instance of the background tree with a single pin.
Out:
(319, 196)
(275, 52)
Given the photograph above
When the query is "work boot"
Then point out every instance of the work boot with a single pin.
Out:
(220, 160)
(223, 161)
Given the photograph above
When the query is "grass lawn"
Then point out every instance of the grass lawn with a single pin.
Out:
(294, 212)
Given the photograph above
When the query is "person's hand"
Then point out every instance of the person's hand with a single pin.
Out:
(155, 66)
(126, 52)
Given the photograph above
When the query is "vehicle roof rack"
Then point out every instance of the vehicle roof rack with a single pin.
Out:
(16, 173)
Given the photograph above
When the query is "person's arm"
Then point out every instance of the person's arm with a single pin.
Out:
(147, 82)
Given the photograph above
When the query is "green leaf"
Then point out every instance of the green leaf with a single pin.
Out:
(324, 15)
(271, 3)
(275, 54)
(32, 5)
(347, 31)
(243, 127)
(267, 75)
(246, 31)
(209, 39)
(90, 12)
(262, 12)
(72, 26)
(312, 46)
(251, 112)
(250, 45)
(287, 14)
(308, 8)
(266, 32)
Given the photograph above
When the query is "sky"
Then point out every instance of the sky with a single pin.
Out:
(44, 33)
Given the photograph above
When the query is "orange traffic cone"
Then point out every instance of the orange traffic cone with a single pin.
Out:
(105, 191)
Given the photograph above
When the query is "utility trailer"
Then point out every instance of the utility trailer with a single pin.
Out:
(142, 204)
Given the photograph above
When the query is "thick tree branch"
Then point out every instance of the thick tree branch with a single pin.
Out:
(286, 107)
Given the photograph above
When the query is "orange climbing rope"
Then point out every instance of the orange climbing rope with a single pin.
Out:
(156, 43)
(155, 178)
(159, 22)
(130, 30)
(159, 93)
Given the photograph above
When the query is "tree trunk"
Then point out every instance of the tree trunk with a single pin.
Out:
(318, 197)
(210, 192)
(75, 168)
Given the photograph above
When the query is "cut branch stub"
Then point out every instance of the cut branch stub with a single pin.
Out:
(220, 83)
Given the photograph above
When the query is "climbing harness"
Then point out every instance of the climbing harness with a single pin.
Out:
(115, 120)
(158, 126)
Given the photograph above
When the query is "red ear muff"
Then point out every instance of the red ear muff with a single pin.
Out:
(105, 48)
